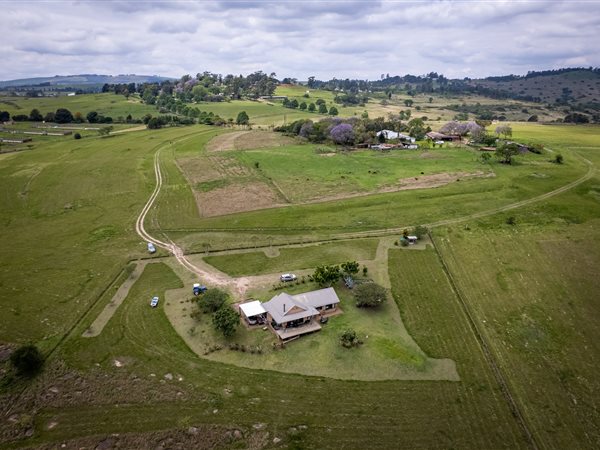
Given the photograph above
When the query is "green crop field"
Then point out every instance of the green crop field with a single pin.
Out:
(507, 295)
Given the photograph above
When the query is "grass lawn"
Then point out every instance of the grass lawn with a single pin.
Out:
(286, 259)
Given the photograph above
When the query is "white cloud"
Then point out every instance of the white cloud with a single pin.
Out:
(356, 39)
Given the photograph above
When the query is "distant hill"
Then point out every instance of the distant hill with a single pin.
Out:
(82, 80)
(563, 86)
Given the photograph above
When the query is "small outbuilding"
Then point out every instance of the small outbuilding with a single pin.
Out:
(253, 312)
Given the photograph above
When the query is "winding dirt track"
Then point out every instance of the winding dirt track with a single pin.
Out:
(239, 285)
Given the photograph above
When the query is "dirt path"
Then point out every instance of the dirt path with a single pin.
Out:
(111, 308)
(127, 130)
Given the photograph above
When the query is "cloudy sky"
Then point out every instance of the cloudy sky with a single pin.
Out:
(298, 38)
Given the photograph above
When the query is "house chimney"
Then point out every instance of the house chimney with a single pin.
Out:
(284, 307)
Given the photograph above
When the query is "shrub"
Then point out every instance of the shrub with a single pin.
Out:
(369, 295)
(212, 300)
(76, 136)
(27, 360)
(511, 220)
(558, 159)
(349, 339)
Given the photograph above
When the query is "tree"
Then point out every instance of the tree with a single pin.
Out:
(154, 123)
(213, 300)
(417, 129)
(408, 102)
(311, 107)
(485, 157)
(63, 115)
(558, 159)
(27, 360)
(576, 118)
(322, 108)
(4, 116)
(226, 320)
(35, 115)
(49, 117)
(420, 231)
(78, 117)
(342, 134)
(326, 275)
(92, 117)
(369, 295)
(333, 111)
(242, 118)
(350, 267)
(294, 103)
(77, 136)
(504, 130)
(505, 152)
(349, 339)
(302, 106)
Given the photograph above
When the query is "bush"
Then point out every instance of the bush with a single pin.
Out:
(511, 220)
(226, 320)
(27, 359)
(76, 136)
(369, 295)
(350, 339)
(212, 300)
(558, 159)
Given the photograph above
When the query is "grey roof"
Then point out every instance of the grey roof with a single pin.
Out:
(286, 308)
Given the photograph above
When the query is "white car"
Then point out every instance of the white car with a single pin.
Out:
(288, 277)
(151, 248)
(154, 302)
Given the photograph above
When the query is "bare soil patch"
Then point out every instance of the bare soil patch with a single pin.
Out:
(246, 140)
(236, 198)
(197, 169)
(436, 180)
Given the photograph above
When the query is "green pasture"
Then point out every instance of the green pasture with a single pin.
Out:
(68, 213)
(534, 295)
(106, 104)
(533, 175)
(361, 171)
(285, 259)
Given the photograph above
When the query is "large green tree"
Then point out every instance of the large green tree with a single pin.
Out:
(242, 118)
(226, 320)
(63, 115)
(212, 300)
(369, 295)
(27, 360)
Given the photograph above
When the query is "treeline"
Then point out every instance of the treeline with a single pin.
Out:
(204, 87)
(353, 130)
(544, 73)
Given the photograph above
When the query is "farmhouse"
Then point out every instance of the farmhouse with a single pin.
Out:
(389, 134)
(293, 315)
(435, 136)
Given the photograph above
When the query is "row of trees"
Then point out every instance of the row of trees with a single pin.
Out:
(352, 130)
(318, 106)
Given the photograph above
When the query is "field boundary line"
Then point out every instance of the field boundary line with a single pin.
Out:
(488, 353)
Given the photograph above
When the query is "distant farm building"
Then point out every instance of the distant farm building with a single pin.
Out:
(435, 136)
(14, 140)
(389, 134)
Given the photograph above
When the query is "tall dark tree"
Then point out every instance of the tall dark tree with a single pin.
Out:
(35, 115)
(63, 115)
(242, 118)
(92, 117)
(4, 116)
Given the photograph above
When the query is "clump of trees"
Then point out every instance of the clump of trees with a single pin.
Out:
(216, 302)
(212, 300)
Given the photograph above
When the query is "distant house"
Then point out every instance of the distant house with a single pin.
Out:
(293, 315)
(389, 134)
(435, 136)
